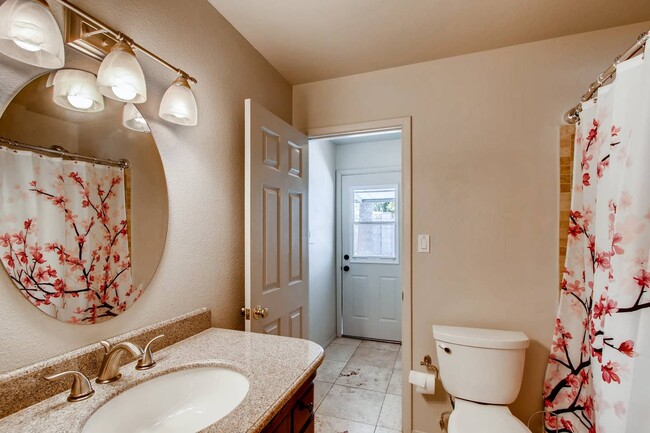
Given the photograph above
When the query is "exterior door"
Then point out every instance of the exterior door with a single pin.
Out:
(277, 274)
(370, 244)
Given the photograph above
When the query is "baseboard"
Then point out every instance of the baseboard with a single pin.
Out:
(418, 431)
(328, 341)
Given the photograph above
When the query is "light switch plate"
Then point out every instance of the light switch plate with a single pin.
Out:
(423, 244)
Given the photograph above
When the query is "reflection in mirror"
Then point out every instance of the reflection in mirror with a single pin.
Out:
(81, 231)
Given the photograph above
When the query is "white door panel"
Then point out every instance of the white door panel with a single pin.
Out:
(370, 240)
(276, 225)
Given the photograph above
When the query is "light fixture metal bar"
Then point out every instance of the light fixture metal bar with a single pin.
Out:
(120, 35)
(573, 115)
(57, 150)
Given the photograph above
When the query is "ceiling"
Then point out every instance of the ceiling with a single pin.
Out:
(312, 40)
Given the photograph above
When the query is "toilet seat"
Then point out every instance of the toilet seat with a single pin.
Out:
(470, 417)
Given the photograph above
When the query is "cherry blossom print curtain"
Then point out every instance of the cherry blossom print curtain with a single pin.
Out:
(63, 236)
(598, 376)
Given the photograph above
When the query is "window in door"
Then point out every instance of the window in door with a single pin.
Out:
(374, 234)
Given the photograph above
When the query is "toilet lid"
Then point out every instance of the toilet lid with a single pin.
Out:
(472, 418)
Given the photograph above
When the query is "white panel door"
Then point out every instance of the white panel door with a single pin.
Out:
(370, 244)
(277, 275)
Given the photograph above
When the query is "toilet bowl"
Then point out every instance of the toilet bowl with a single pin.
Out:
(482, 369)
(470, 417)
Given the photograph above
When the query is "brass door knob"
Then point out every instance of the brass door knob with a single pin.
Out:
(260, 313)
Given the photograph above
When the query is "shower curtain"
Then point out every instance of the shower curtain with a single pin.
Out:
(598, 376)
(63, 235)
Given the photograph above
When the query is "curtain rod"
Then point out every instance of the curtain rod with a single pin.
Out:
(573, 115)
(121, 36)
(57, 150)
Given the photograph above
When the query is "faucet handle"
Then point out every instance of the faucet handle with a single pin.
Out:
(107, 346)
(147, 361)
(81, 387)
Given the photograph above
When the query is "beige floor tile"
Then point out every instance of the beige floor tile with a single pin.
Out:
(328, 424)
(395, 384)
(364, 377)
(353, 404)
(348, 341)
(386, 430)
(398, 361)
(381, 345)
(339, 352)
(374, 357)
(329, 371)
(320, 391)
(391, 412)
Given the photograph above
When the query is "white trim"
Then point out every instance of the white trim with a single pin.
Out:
(404, 124)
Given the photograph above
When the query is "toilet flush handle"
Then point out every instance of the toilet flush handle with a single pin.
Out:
(445, 348)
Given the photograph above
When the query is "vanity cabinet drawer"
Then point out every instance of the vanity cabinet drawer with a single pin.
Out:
(303, 411)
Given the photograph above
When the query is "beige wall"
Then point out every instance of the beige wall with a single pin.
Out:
(204, 257)
(485, 182)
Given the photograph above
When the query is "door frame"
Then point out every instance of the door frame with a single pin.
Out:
(339, 234)
(403, 123)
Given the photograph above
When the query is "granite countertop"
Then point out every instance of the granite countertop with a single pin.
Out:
(275, 366)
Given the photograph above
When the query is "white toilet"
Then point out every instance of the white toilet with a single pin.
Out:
(482, 369)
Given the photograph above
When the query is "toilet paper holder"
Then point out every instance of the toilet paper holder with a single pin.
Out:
(426, 362)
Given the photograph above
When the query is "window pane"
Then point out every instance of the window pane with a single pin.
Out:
(374, 240)
(374, 205)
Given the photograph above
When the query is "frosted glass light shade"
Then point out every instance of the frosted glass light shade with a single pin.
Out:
(178, 104)
(120, 76)
(132, 119)
(77, 91)
(29, 33)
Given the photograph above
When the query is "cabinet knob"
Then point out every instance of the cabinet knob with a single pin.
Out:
(309, 407)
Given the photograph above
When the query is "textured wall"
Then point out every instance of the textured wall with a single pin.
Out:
(202, 265)
(485, 182)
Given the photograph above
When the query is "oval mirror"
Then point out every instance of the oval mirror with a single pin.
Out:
(83, 199)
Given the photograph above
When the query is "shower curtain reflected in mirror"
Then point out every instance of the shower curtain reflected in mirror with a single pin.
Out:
(598, 377)
(64, 235)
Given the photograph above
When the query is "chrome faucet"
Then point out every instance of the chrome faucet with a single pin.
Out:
(110, 370)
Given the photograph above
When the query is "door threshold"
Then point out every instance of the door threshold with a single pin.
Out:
(379, 340)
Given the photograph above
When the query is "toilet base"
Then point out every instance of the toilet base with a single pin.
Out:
(470, 417)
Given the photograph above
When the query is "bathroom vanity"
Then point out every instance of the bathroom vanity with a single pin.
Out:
(297, 416)
(275, 387)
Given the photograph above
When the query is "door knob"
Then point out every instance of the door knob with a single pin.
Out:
(346, 257)
(260, 313)
(346, 268)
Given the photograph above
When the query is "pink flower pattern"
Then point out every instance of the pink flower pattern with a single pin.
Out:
(83, 275)
(591, 371)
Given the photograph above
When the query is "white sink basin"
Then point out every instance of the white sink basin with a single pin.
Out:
(182, 401)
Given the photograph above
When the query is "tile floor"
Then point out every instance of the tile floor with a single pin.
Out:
(358, 388)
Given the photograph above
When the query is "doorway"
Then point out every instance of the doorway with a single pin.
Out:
(355, 234)
(360, 218)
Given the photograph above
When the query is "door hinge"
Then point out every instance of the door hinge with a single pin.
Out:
(246, 312)
(402, 296)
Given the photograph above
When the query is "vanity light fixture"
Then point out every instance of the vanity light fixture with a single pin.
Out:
(120, 76)
(77, 90)
(179, 104)
(132, 119)
(29, 33)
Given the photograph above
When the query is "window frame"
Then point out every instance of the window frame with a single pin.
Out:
(384, 260)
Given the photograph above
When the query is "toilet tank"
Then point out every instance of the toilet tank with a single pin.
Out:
(481, 365)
